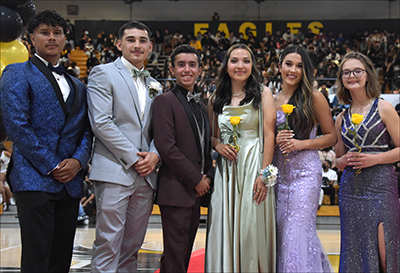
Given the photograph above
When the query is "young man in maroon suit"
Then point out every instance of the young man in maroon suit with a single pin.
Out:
(182, 138)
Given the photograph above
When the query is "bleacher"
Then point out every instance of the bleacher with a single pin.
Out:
(160, 63)
(79, 56)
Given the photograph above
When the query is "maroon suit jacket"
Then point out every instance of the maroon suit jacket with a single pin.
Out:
(176, 143)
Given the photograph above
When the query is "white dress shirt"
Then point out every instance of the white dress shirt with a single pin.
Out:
(61, 80)
(139, 83)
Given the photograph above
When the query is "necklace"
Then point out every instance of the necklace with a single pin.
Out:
(364, 108)
(238, 94)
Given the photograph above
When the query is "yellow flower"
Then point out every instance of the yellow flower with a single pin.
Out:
(287, 108)
(234, 120)
(356, 118)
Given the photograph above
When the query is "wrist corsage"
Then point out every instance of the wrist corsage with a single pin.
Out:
(268, 175)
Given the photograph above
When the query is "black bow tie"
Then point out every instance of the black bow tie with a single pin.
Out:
(138, 73)
(195, 97)
(59, 69)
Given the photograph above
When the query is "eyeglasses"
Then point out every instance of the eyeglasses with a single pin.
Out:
(358, 73)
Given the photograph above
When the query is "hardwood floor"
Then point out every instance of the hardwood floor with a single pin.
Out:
(10, 251)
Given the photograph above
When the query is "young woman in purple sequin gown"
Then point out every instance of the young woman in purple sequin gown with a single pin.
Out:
(300, 174)
(368, 198)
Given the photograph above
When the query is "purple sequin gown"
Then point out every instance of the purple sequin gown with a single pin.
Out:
(297, 192)
(367, 199)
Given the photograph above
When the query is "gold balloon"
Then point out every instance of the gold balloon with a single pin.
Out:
(13, 52)
(2, 66)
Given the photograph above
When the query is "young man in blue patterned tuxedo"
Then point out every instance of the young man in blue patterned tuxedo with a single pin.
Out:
(45, 115)
(120, 101)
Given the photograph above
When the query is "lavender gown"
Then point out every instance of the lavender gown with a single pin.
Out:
(367, 199)
(297, 192)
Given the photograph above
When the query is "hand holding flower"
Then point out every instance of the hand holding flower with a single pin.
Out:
(356, 119)
(233, 133)
(291, 145)
(353, 158)
(287, 109)
(360, 160)
(283, 136)
(227, 151)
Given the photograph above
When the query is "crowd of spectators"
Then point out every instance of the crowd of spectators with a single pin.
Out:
(324, 49)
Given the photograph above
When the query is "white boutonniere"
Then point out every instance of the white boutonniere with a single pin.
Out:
(154, 89)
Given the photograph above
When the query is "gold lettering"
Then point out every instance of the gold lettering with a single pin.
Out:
(315, 27)
(248, 26)
(294, 27)
(223, 27)
(268, 28)
(200, 27)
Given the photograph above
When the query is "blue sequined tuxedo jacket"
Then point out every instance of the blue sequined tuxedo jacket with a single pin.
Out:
(43, 130)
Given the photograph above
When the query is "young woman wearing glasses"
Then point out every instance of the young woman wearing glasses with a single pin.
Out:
(368, 194)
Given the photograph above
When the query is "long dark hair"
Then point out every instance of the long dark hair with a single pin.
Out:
(302, 120)
(223, 95)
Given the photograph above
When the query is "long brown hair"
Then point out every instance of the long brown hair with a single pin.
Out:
(223, 95)
(302, 120)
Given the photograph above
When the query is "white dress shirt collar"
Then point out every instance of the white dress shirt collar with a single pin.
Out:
(60, 79)
(130, 66)
(140, 84)
(46, 62)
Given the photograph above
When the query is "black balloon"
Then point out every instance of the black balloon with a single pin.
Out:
(13, 3)
(10, 25)
(26, 12)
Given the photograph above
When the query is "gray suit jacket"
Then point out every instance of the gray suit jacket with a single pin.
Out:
(114, 114)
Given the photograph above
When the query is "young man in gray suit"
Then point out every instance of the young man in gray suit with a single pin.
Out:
(120, 98)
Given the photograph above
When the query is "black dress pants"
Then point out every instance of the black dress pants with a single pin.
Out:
(331, 192)
(179, 232)
(48, 223)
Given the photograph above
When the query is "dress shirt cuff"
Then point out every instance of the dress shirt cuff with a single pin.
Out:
(54, 169)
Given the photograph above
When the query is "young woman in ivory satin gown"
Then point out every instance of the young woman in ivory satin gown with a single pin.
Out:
(241, 215)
